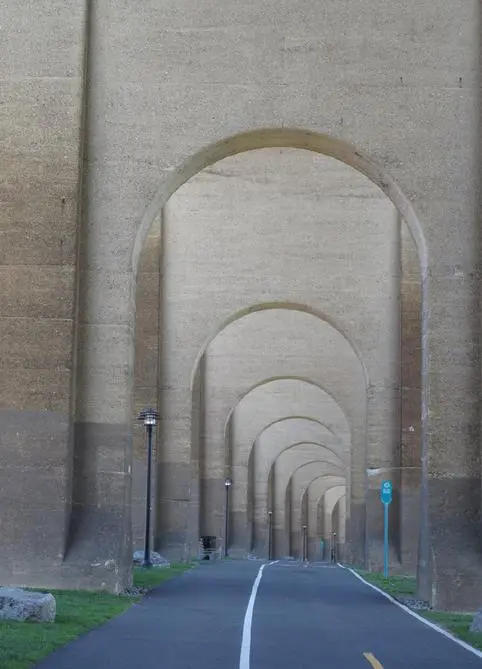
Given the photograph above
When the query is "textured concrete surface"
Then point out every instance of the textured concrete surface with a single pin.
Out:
(108, 110)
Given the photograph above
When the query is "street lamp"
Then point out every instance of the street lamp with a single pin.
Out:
(227, 484)
(270, 534)
(149, 418)
(305, 557)
(333, 548)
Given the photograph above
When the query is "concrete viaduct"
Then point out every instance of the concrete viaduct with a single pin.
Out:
(259, 218)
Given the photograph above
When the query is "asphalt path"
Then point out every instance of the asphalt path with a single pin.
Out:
(193, 621)
(252, 615)
(322, 616)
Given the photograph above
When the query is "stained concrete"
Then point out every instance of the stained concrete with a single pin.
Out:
(107, 111)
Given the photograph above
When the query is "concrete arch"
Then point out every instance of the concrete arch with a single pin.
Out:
(280, 379)
(315, 495)
(273, 441)
(251, 478)
(277, 398)
(276, 304)
(314, 504)
(299, 481)
(304, 429)
(296, 138)
(288, 496)
(286, 306)
(269, 492)
(337, 361)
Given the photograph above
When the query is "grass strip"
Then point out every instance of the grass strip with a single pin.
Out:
(22, 645)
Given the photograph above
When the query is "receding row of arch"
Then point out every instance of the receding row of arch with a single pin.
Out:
(331, 417)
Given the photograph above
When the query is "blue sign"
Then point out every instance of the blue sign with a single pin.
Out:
(386, 492)
(386, 497)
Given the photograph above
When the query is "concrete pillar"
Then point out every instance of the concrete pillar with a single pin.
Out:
(383, 431)
(411, 371)
(146, 377)
(332, 518)
(341, 508)
(43, 125)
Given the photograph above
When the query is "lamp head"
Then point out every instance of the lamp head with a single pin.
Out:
(148, 416)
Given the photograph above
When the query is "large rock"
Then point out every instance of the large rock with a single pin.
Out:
(476, 625)
(21, 605)
(156, 559)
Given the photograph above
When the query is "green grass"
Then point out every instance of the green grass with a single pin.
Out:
(457, 624)
(397, 586)
(150, 578)
(24, 644)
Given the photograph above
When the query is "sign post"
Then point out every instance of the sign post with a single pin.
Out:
(386, 498)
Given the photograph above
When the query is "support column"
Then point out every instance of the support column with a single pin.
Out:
(43, 95)
(146, 378)
(383, 433)
(410, 452)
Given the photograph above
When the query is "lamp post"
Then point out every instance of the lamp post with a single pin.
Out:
(333, 547)
(270, 534)
(149, 418)
(227, 484)
(304, 543)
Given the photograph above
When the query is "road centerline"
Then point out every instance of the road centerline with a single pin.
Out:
(245, 655)
(244, 658)
(369, 657)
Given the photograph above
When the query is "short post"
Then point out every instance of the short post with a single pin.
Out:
(386, 493)
(305, 543)
(270, 534)
(149, 418)
(227, 484)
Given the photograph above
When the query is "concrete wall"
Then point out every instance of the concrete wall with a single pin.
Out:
(392, 90)
(41, 84)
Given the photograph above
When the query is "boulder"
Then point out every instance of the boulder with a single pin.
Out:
(156, 559)
(22, 605)
(476, 625)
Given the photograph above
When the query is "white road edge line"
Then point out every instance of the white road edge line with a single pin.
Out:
(244, 658)
(438, 629)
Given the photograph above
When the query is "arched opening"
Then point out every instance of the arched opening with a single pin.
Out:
(188, 427)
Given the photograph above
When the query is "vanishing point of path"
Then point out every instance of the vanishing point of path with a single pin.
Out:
(251, 615)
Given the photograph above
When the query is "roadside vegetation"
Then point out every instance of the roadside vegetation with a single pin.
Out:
(404, 588)
(22, 645)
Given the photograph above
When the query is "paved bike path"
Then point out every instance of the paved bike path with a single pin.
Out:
(193, 621)
(326, 617)
(302, 617)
